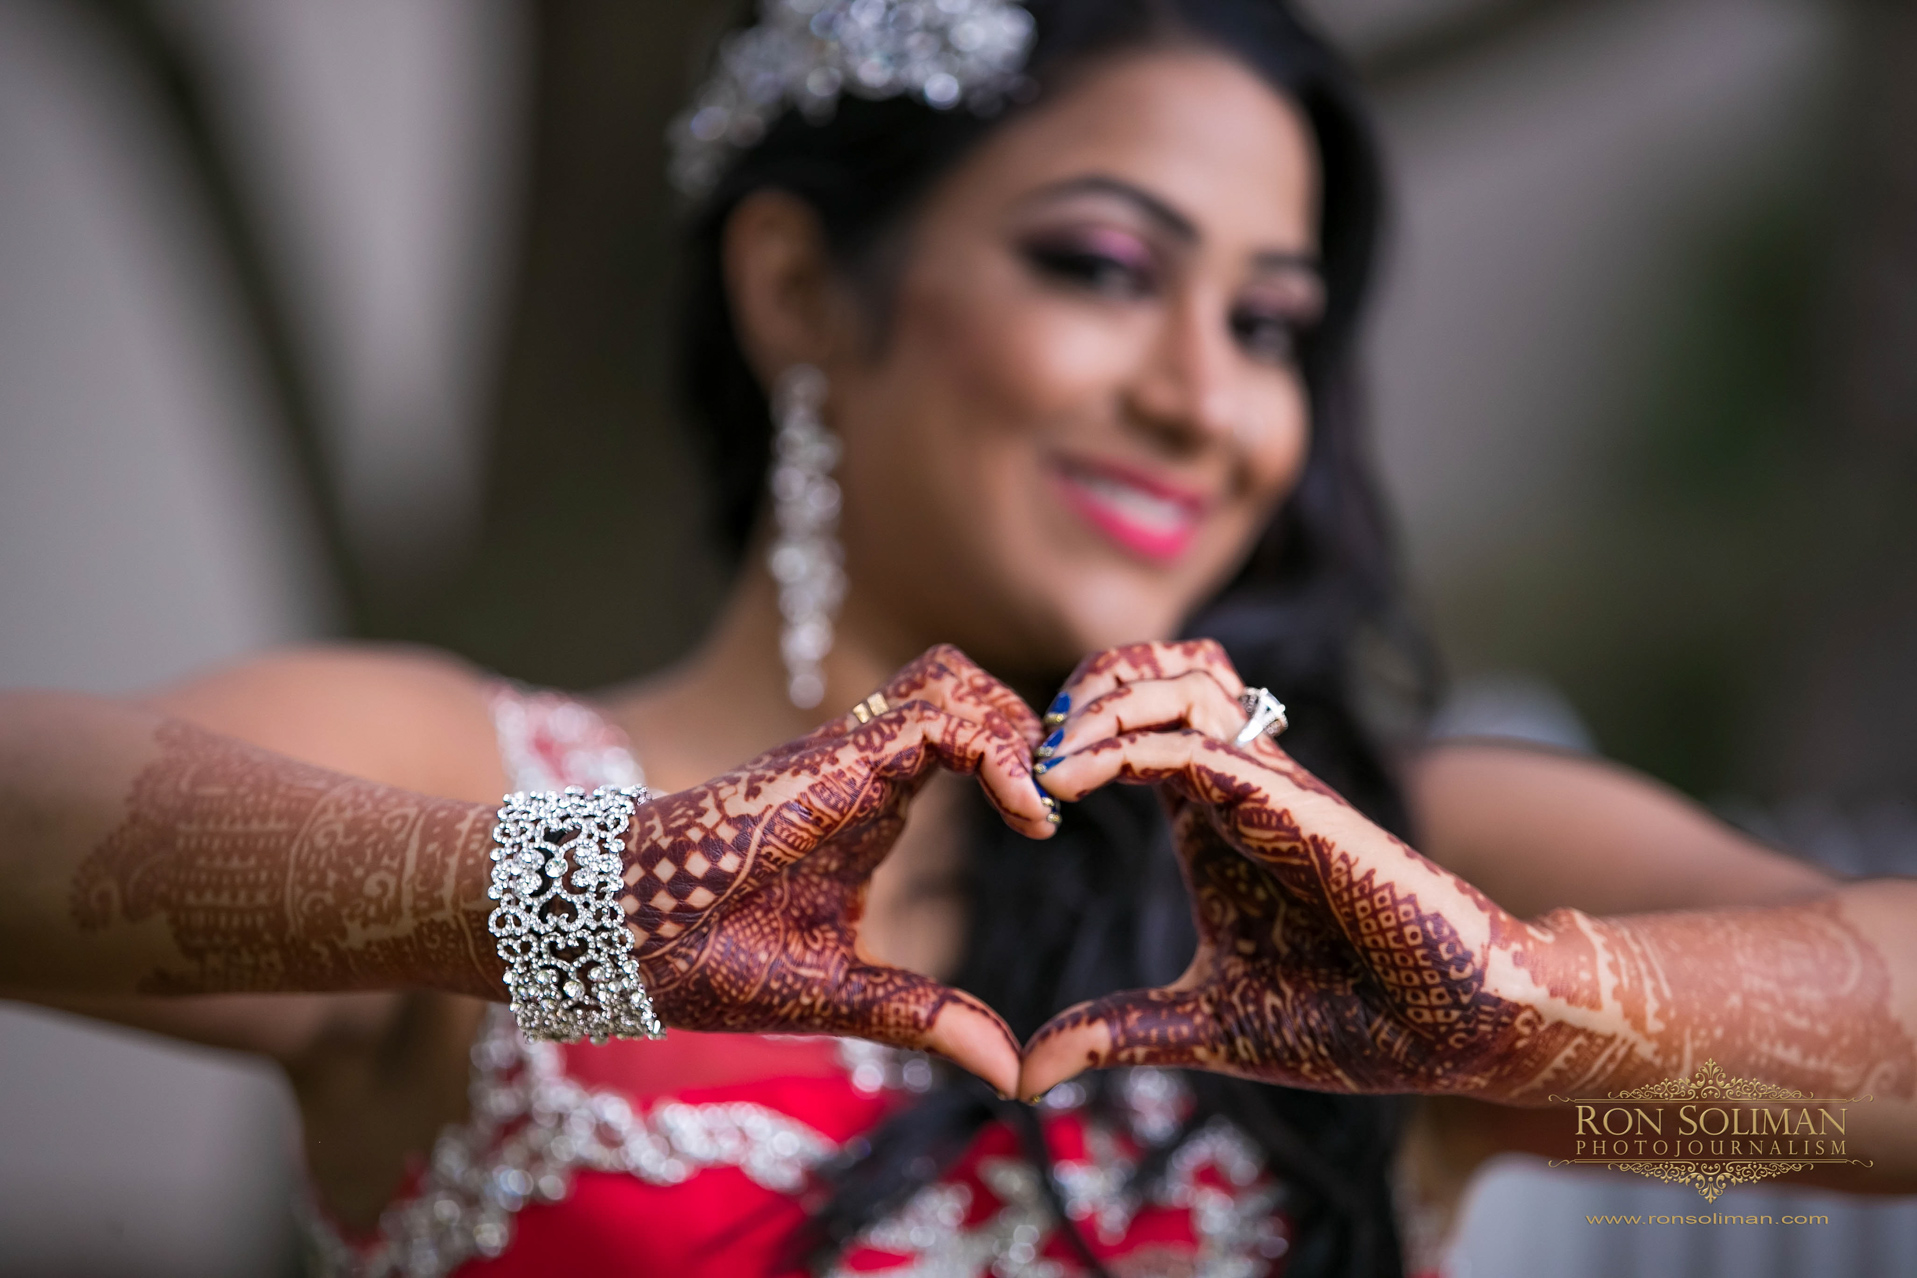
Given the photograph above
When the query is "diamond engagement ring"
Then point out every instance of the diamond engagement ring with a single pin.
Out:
(1265, 716)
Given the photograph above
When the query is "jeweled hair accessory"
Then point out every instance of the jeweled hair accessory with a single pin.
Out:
(557, 871)
(805, 53)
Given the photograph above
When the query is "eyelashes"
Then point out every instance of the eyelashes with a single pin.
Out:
(1267, 333)
(1100, 271)
(1267, 336)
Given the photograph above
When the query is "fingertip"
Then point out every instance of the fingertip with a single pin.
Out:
(1015, 791)
(975, 1039)
(1060, 777)
(1055, 1055)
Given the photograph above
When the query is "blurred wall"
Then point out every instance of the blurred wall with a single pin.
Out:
(148, 522)
(1598, 319)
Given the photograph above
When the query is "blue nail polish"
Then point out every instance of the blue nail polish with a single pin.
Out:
(1046, 765)
(1051, 744)
(1060, 707)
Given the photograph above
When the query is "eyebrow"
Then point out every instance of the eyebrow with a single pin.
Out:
(1169, 219)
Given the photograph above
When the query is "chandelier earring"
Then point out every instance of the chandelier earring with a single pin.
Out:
(806, 560)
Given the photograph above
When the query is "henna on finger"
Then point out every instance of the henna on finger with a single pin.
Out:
(1158, 659)
(1193, 699)
(949, 679)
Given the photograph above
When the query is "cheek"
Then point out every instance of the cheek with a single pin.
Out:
(1276, 449)
(944, 482)
(1273, 444)
(1023, 358)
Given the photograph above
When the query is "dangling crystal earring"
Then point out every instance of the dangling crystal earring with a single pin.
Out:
(807, 560)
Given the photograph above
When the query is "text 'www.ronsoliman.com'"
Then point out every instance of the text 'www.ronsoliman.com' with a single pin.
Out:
(1715, 1218)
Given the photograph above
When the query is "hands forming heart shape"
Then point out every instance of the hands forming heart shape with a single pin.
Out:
(1330, 955)
(744, 894)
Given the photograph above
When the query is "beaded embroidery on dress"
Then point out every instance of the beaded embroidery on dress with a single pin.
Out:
(533, 1129)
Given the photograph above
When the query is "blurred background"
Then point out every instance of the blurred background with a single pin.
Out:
(325, 319)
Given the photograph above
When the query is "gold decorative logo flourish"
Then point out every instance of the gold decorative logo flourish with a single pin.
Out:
(1710, 1131)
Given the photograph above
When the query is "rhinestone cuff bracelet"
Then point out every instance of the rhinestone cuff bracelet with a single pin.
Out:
(557, 871)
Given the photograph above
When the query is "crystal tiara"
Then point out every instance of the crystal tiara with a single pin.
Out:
(805, 53)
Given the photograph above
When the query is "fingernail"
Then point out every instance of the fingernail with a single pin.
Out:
(1056, 712)
(1046, 765)
(1051, 804)
(1055, 818)
(1051, 744)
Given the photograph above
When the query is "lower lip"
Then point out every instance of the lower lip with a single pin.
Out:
(1148, 541)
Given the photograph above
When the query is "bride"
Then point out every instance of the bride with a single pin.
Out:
(1038, 318)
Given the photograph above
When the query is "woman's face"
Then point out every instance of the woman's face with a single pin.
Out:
(1083, 407)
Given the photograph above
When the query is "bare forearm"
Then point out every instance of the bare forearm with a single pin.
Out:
(148, 856)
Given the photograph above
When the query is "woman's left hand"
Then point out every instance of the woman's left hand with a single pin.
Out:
(1330, 955)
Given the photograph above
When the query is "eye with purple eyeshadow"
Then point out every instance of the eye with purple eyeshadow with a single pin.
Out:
(1267, 323)
(1102, 260)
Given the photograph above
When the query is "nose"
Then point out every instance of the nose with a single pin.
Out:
(1186, 390)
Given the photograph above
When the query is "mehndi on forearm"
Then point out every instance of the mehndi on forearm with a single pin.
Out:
(271, 875)
(1798, 996)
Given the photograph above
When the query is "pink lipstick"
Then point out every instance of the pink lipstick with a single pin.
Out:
(1137, 512)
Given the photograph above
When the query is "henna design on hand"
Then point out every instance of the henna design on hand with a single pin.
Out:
(744, 893)
(1160, 684)
(1333, 956)
(272, 875)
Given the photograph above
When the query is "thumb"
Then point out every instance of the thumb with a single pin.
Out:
(1138, 1027)
(903, 1009)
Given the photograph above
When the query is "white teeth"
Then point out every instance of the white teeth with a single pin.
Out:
(1157, 513)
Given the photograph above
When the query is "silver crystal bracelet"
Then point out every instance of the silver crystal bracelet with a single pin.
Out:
(557, 870)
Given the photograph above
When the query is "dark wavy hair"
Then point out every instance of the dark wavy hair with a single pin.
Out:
(1104, 908)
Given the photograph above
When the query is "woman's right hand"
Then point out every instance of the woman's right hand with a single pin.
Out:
(744, 893)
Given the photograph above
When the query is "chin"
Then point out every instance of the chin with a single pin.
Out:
(1119, 613)
(1045, 612)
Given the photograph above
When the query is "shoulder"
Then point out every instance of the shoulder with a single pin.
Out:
(406, 716)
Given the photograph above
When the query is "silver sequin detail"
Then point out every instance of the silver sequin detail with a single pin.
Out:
(531, 1129)
(1239, 1232)
(549, 741)
(874, 1067)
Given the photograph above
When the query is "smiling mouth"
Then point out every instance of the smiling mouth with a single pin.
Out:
(1135, 512)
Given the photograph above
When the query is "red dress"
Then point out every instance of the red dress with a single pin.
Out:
(571, 1162)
